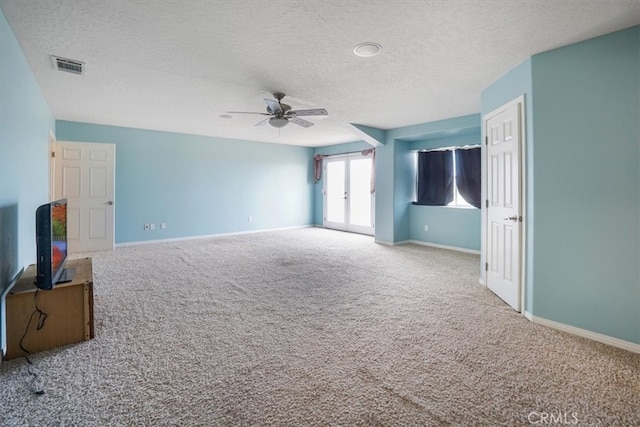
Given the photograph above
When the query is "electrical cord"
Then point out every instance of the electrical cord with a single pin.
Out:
(34, 384)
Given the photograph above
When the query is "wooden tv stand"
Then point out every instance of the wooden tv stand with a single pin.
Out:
(69, 310)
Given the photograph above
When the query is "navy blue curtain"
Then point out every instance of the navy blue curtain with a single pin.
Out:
(468, 175)
(435, 178)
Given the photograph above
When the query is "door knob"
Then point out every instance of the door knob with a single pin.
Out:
(110, 203)
(513, 218)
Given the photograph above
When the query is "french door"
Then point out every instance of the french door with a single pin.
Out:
(348, 196)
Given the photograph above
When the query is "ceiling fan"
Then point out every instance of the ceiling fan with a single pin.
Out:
(281, 114)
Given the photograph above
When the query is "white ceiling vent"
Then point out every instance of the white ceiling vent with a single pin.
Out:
(68, 65)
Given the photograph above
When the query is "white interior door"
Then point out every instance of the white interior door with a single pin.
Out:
(85, 176)
(348, 199)
(504, 217)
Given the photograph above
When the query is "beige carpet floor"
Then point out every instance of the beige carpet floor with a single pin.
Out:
(313, 327)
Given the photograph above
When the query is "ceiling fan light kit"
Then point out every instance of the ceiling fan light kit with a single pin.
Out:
(281, 114)
(278, 122)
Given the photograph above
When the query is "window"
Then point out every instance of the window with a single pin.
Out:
(458, 200)
(449, 177)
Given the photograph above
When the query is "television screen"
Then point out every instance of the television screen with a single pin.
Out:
(51, 244)
(58, 236)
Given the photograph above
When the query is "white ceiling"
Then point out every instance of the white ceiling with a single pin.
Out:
(177, 65)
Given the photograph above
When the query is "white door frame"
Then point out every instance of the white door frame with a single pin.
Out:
(522, 195)
(326, 223)
(89, 203)
(52, 165)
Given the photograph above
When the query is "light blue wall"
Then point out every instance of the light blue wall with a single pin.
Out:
(582, 105)
(385, 187)
(397, 220)
(586, 167)
(201, 185)
(448, 226)
(515, 83)
(329, 150)
(403, 189)
(437, 129)
(396, 204)
(25, 122)
(407, 221)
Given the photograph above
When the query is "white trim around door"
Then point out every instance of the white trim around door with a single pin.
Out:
(348, 196)
(85, 176)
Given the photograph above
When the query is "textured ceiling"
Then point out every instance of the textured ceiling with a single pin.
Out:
(177, 65)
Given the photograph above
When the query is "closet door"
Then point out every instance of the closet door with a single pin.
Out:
(85, 176)
(504, 201)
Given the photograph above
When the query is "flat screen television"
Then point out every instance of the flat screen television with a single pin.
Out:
(51, 245)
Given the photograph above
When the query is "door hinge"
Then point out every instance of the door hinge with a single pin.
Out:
(486, 140)
(53, 154)
(487, 203)
(486, 266)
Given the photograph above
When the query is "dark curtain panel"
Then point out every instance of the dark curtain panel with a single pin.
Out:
(435, 178)
(317, 167)
(468, 175)
(371, 151)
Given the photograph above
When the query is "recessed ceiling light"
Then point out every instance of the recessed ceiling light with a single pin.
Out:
(226, 116)
(367, 49)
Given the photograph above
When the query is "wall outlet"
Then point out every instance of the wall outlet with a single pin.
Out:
(163, 225)
(146, 227)
(426, 228)
(152, 226)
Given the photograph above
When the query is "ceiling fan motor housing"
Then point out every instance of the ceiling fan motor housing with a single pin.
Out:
(285, 108)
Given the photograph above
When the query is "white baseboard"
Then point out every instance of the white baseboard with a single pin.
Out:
(450, 248)
(208, 236)
(403, 242)
(433, 245)
(604, 339)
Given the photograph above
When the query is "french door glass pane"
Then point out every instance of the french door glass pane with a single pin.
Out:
(335, 191)
(360, 192)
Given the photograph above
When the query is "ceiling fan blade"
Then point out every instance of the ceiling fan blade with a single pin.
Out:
(274, 106)
(247, 112)
(263, 122)
(301, 122)
(310, 112)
